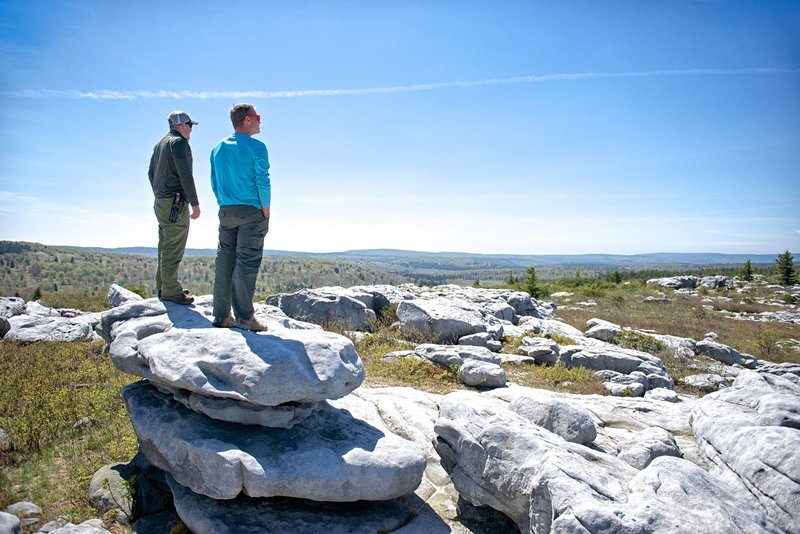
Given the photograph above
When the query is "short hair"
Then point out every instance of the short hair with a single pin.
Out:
(239, 112)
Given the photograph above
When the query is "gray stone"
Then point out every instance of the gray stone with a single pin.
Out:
(719, 352)
(648, 445)
(90, 526)
(705, 382)
(332, 456)
(27, 512)
(180, 349)
(35, 309)
(118, 295)
(348, 308)
(11, 306)
(572, 422)
(602, 330)
(246, 515)
(281, 416)
(111, 489)
(542, 350)
(714, 282)
(662, 394)
(484, 374)
(481, 339)
(446, 320)
(9, 524)
(455, 355)
(56, 524)
(28, 329)
(630, 389)
(748, 434)
(675, 282)
(5, 326)
(671, 496)
(610, 357)
(497, 458)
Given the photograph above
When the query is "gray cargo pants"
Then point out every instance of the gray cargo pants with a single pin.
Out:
(241, 247)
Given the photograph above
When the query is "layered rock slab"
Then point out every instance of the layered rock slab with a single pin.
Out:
(750, 435)
(246, 515)
(178, 348)
(544, 484)
(331, 456)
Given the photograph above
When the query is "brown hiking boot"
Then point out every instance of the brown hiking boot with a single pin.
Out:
(251, 324)
(180, 298)
(224, 322)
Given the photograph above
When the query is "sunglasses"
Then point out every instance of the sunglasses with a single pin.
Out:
(257, 116)
(189, 124)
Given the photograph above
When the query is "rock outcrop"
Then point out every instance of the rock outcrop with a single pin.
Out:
(750, 436)
(228, 412)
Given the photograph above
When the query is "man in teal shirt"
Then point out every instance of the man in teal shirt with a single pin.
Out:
(240, 181)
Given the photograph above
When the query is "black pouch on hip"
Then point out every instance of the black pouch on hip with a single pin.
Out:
(176, 207)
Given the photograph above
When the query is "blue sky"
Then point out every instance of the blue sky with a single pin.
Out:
(493, 127)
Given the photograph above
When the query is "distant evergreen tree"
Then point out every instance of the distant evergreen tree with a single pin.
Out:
(785, 265)
(510, 279)
(477, 283)
(37, 294)
(747, 271)
(532, 283)
(616, 277)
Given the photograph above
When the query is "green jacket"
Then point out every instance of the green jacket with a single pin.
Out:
(171, 168)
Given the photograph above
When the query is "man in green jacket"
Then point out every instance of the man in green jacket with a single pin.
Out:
(171, 177)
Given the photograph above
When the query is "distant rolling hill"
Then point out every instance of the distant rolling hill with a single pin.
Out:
(462, 259)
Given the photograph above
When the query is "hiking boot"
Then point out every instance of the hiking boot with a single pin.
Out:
(185, 292)
(180, 298)
(224, 322)
(251, 324)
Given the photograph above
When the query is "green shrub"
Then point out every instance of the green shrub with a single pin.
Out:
(631, 339)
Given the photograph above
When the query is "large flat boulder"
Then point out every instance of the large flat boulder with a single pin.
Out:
(332, 456)
(545, 484)
(750, 436)
(349, 308)
(445, 320)
(176, 346)
(246, 515)
(30, 328)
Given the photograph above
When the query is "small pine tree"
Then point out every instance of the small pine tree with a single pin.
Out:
(616, 277)
(532, 283)
(785, 265)
(510, 279)
(747, 271)
(477, 283)
(37, 294)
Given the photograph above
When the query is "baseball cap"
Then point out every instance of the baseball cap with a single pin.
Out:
(179, 117)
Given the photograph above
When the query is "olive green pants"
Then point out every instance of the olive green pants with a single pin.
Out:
(172, 238)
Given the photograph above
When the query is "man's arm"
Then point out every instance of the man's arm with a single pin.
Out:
(183, 165)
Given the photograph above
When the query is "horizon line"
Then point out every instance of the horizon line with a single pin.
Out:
(107, 94)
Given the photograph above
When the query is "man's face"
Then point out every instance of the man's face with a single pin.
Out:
(253, 123)
(185, 129)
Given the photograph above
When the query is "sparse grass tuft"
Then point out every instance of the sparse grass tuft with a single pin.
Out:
(555, 378)
(78, 300)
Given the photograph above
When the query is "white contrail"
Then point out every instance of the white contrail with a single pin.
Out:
(105, 94)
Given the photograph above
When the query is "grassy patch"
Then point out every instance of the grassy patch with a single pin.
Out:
(409, 371)
(61, 407)
(630, 339)
(555, 378)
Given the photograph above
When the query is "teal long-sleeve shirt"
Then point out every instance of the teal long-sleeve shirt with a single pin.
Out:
(240, 172)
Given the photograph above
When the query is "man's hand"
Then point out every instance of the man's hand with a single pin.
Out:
(195, 212)
(265, 211)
